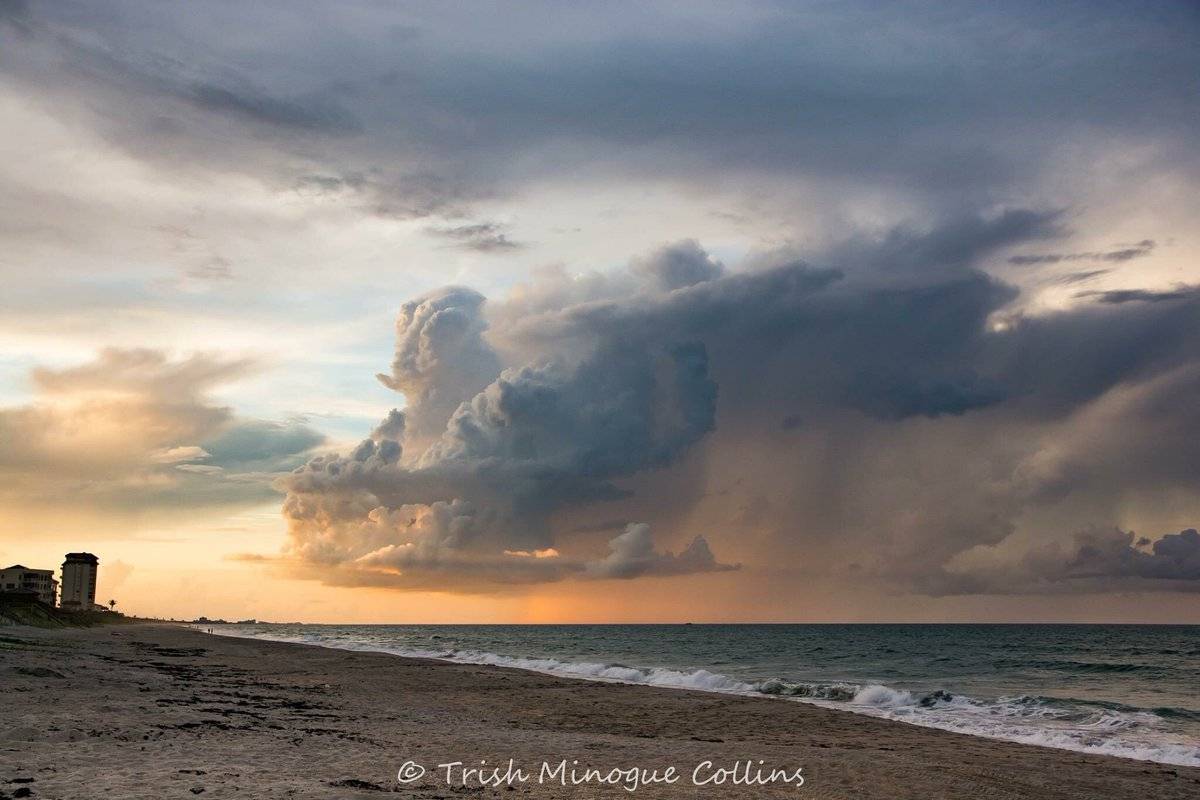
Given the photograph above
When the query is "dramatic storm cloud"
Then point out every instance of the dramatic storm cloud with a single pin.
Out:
(782, 309)
(537, 438)
(941, 420)
(421, 111)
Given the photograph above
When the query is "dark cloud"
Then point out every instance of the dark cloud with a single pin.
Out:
(1138, 250)
(633, 555)
(451, 111)
(1096, 560)
(320, 115)
(534, 440)
(482, 237)
(603, 525)
(1083, 276)
(951, 246)
(261, 446)
(1175, 556)
(926, 417)
(386, 194)
(14, 11)
(1118, 296)
(678, 265)
(897, 395)
(391, 429)
(1059, 361)
(932, 420)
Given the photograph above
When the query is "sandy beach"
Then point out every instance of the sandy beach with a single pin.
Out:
(144, 711)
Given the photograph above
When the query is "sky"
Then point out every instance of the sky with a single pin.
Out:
(657, 311)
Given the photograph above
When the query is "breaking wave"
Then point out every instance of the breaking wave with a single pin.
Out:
(1084, 726)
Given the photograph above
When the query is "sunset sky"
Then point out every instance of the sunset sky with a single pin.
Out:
(531, 312)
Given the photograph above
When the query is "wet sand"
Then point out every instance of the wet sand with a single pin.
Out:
(147, 711)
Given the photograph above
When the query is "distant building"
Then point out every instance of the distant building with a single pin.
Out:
(79, 581)
(19, 578)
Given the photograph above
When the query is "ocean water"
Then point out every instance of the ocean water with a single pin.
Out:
(1125, 690)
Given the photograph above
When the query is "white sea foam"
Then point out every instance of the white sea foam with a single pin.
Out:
(1130, 734)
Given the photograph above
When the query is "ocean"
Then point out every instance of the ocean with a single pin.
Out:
(1125, 690)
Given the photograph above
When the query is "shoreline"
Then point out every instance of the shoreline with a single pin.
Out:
(896, 705)
(175, 710)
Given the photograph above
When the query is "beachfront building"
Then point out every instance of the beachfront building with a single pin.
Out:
(79, 581)
(19, 578)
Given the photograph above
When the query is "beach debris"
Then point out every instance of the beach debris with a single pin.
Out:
(355, 783)
(40, 672)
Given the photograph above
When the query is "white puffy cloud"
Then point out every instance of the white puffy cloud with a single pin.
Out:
(633, 555)
(441, 358)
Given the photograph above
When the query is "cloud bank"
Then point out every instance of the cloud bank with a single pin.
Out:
(875, 413)
(420, 111)
(136, 429)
